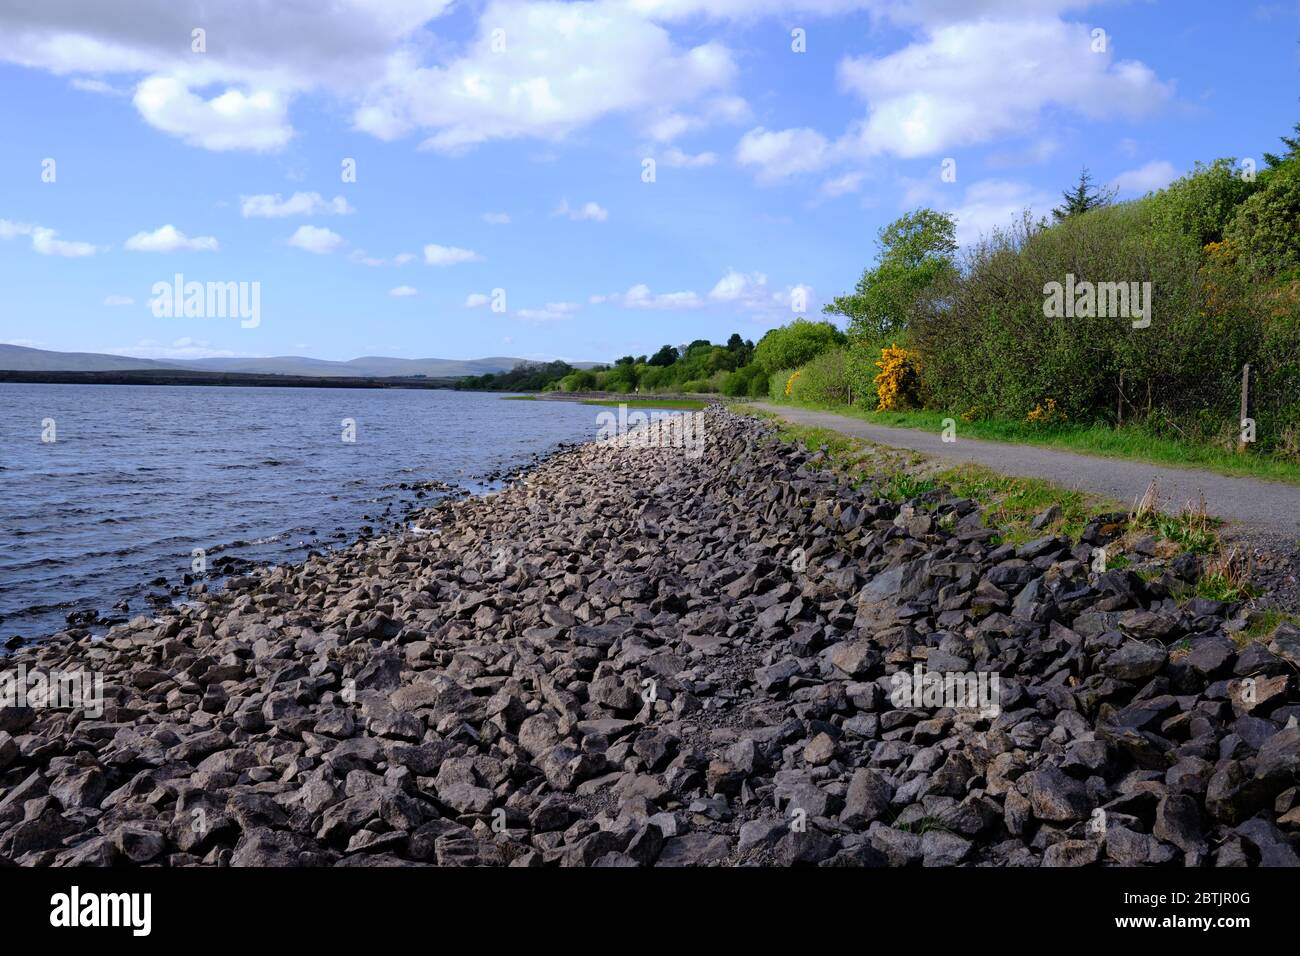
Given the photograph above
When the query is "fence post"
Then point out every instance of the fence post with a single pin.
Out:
(1245, 407)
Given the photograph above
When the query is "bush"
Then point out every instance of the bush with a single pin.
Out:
(792, 345)
(898, 383)
(824, 380)
(776, 383)
(740, 382)
(1265, 233)
(1199, 206)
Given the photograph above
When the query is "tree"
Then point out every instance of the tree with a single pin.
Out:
(626, 360)
(1083, 197)
(916, 251)
(792, 345)
(665, 356)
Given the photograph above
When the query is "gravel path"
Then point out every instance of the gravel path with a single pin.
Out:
(1257, 505)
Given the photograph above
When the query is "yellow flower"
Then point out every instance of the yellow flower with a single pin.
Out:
(897, 366)
(790, 382)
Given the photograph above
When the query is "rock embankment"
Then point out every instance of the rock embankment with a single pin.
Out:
(642, 656)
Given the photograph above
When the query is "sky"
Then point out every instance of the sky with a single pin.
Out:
(438, 178)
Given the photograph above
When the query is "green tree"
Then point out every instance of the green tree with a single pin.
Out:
(791, 345)
(665, 356)
(1200, 205)
(916, 251)
(1082, 197)
(1265, 233)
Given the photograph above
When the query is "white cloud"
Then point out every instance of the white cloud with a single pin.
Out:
(44, 241)
(776, 154)
(258, 56)
(588, 211)
(476, 300)
(1156, 174)
(316, 239)
(170, 239)
(256, 121)
(995, 203)
(402, 292)
(553, 312)
(98, 87)
(435, 255)
(668, 124)
(842, 185)
(674, 157)
(639, 296)
(565, 65)
(118, 300)
(971, 82)
(268, 206)
(497, 218)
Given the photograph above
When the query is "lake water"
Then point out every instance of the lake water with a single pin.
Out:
(138, 477)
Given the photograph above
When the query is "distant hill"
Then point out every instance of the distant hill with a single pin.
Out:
(20, 358)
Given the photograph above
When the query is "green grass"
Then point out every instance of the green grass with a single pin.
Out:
(668, 403)
(1263, 623)
(519, 398)
(1134, 442)
(1010, 503)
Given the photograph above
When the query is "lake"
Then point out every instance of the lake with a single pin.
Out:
(138, 477)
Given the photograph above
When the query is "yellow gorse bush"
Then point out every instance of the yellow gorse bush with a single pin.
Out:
(898, 369)
(1045, 413)
(789, 384)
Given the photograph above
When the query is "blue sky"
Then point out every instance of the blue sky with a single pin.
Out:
(514, 160)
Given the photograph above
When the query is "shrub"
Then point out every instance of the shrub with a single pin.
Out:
(1265, 233)
(824, 380)
(792, 345)
(898, 384)
(1199, 206)
(776, 383)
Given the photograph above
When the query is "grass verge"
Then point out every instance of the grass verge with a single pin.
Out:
(1131, 442)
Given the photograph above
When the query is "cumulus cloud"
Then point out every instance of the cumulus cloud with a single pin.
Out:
(776, 154)
(996, 203)
(970, 82)
(268, 206)
(256, 121)
(403, 291)
(435, 255)
(258, 56)
(316, 239)
(564, 66)
(45, 241)
(674, 157)
(170, 239)
(639, 296)
(1156, 174)
(588, 211)
(476, 300)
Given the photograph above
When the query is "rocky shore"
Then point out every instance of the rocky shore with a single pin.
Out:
(638, 656)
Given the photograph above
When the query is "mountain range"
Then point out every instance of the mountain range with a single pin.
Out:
(21, 358)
